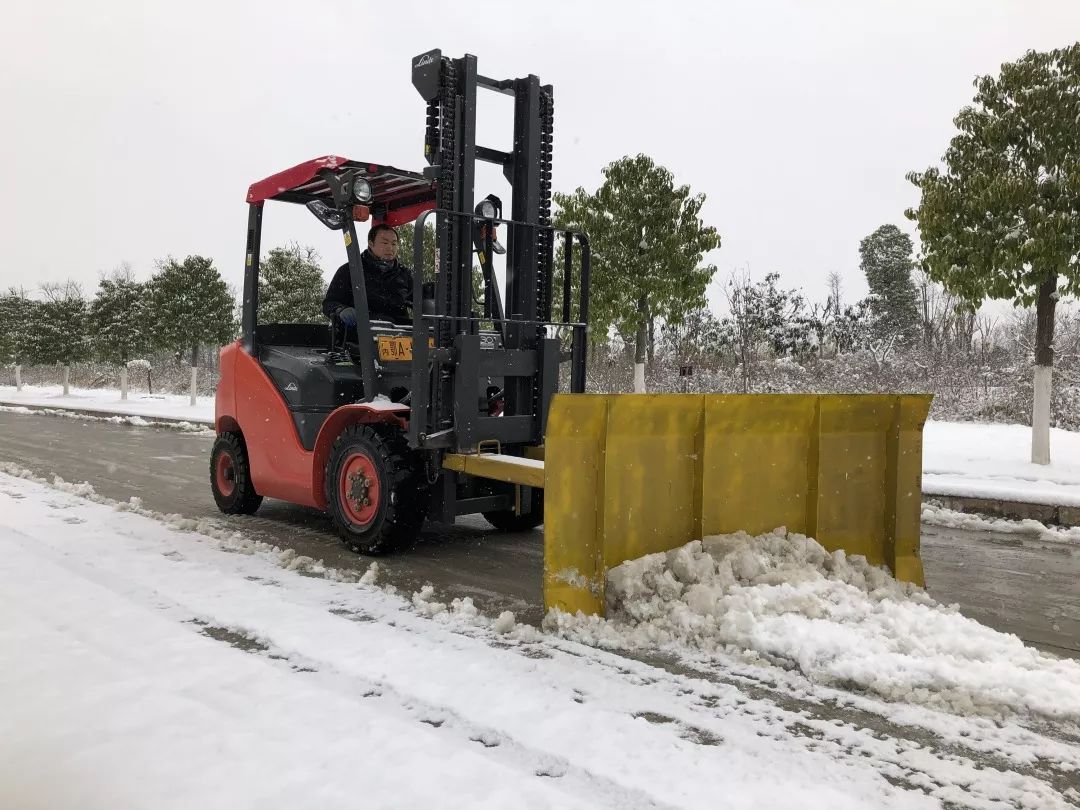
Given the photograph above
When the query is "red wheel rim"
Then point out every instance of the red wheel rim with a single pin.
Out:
(359, 489)
(225, 475)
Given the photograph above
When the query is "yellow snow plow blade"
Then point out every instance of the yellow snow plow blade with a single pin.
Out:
(631, 474)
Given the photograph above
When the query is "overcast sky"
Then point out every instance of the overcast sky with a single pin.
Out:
(131, 130)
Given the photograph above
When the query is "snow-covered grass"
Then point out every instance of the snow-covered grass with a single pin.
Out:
(783, 599)
(147, 668)
(994, 461)
(959, 458)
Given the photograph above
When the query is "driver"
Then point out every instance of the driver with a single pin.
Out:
(389, 283)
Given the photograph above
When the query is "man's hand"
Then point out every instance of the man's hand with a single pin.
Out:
(347, 315)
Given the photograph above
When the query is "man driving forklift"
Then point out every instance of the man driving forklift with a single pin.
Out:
(389, 283)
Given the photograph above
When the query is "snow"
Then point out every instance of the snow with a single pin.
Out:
(839, 621)
(222, 681)
(959, 458)
(151, 668)
(521, 461)
(993, 461)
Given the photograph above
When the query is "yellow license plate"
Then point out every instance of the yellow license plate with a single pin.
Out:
(397, 348)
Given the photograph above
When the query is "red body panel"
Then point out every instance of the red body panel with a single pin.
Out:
(249, 402)
(280, 466)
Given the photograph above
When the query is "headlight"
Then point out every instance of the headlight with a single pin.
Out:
(486, 209)
(362, 190)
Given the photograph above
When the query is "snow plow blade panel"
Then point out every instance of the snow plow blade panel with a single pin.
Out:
(631, 474)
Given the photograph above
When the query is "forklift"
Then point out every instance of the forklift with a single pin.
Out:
(392, 423)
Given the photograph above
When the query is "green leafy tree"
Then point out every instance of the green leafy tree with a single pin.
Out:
(291, 286)
(119, 321)
(406, 234)
(886, 260)
(191, 305)
(15, 320)
(1001, 219)
(119, 318)
(60, 330)
(648, 242)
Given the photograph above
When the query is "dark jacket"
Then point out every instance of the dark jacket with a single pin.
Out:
(389, 290)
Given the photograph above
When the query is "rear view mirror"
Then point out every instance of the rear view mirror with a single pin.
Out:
(329, 216)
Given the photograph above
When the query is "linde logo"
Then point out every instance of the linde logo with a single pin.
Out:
(291, 387)
(424, 61)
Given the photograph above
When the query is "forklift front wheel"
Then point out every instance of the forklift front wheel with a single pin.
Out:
(375, 489)
(230, 476)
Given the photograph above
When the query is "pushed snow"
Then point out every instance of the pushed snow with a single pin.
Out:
(840, 621)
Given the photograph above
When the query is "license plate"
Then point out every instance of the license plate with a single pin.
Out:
(397, 348)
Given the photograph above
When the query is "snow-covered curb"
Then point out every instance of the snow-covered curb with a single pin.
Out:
(935, 515)
(98, 401)
(201, 429)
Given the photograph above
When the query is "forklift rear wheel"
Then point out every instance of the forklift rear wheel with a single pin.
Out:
(376, 490)
(506, 521)
(230, 476)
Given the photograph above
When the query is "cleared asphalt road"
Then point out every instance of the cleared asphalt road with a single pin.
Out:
(1013, 583)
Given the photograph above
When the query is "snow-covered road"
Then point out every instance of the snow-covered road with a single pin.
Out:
(146, 667)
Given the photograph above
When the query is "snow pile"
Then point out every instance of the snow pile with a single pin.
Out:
(782, 598)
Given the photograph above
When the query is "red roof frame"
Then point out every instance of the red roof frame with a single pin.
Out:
(290, 179)
(399, 196)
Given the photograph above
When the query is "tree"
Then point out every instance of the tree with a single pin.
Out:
(648, 242)
(763, 316)
(119, 321)
(405, 255)
(886, 260)
(698, 338)
(59, 334)
(15, 314)
(291, 286)
(191, 305)
(1000, 219)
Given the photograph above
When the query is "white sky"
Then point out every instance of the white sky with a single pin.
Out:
(131, 130)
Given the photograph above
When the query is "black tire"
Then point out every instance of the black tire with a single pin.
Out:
(506, 521)
(230, 476)
(384, 514)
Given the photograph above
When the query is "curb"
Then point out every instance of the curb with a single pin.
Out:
(174, 420)
(1050, 514)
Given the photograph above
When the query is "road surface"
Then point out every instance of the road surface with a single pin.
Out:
(1013, 583)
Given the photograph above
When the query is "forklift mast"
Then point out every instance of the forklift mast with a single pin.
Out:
(449, 373)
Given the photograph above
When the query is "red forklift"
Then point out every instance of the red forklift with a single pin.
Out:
(389, 424)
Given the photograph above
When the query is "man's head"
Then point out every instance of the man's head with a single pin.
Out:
(382, 241)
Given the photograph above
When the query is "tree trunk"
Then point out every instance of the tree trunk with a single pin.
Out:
(123, 381)
(652, 339)
(194, 371)
(67, 379)
(18, 377)
(1044, 363)
(149, 382)
(640, 345)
